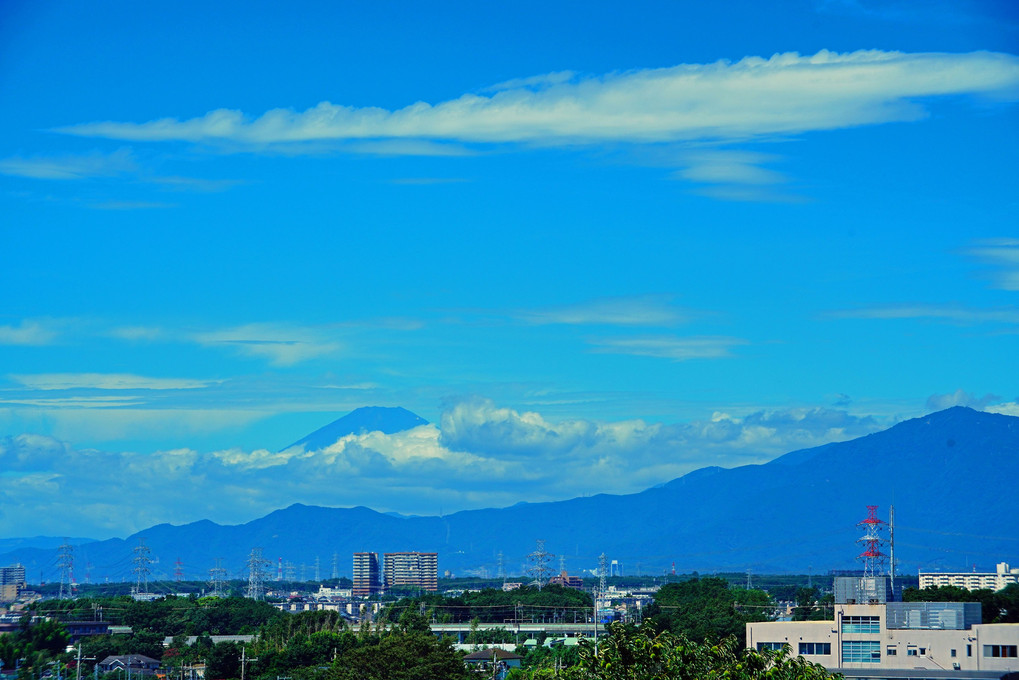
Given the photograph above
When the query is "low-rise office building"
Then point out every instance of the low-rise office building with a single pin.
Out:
(872, 636)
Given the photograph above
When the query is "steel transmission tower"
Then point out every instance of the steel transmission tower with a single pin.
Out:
(539, 563)
(289, 572)
(216, 577)
(873, 558)
(141, 562)
(256, 575)
(336, 566)
(603, 562)
(65, 561)
(502, 568)
(178, 570)
(318, 576)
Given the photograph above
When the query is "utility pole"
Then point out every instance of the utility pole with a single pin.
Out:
(80, 659)
(245, 661)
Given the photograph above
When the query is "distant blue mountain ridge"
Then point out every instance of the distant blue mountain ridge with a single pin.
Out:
(950, 475)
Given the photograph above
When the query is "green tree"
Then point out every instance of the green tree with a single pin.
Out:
(629, 653)
(402, 656)
(707, 609)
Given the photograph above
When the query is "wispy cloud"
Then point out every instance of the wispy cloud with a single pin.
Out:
(282, 345)
(30, 332)
(75, 402)
(106, 381)
(70, 167)
(950, 313)
(648, 310)
(790, 93)
(939, 402)
(131, 205)
(425, 181)
(669, 347)
(724, 166)
(195, 183)
(1003, 254)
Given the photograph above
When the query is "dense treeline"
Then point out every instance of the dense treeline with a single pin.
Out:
(551, 603)
(630, 653)
(708, 609)
(167, 616)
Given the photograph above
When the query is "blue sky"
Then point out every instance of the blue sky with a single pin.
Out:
(604, 242)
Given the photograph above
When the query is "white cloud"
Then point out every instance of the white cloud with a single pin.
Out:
(939, 402)
(649, 310)
(786, 94)
(670, 347)
(1007, 408)
(106, 381)
(518, 455)
(70, 167)
(29, 332)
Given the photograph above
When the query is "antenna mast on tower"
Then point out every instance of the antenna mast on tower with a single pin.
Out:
(873, 558)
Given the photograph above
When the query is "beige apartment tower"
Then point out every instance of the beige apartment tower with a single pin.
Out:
(366, 574)
(415, 569)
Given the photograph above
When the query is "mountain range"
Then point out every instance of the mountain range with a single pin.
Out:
(950, 475)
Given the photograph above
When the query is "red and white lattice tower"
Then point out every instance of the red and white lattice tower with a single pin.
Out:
(872, 540)
(178, 570)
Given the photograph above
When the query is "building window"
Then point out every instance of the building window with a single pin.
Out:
(861, 651)
(969, 650)
(861, 624)
(953, 653)
(890, 651)
(911, 651)
(1004, 651)
(815, 648)
(923, 650)
(773, 646)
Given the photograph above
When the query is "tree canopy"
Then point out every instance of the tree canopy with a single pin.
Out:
(707, 609)
(629, 653)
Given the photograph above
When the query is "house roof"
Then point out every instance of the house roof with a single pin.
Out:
(490, 654)
(129, 660)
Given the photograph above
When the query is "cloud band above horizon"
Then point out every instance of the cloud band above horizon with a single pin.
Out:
(785, 94)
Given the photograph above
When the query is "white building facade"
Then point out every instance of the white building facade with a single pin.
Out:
(871, 637)
(1002, 576)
